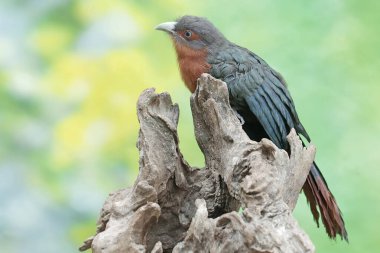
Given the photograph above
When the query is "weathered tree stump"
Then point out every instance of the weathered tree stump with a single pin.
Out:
(173, 207)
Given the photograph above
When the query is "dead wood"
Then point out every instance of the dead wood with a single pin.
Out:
(174, 207)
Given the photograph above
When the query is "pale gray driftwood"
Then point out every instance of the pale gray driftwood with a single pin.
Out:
(174, 207)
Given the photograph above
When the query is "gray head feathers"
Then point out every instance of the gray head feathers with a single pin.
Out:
(204, 28)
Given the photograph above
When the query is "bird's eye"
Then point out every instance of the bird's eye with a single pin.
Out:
(188, 34)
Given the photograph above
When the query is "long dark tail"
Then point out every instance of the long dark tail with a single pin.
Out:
(318, 194)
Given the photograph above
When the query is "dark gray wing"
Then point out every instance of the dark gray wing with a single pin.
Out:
(254, 84)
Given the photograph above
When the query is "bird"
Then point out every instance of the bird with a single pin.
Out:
(257, 93)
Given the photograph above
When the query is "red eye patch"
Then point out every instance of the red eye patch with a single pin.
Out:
(188, 35)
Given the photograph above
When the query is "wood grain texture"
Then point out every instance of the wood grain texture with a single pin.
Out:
(173, 207)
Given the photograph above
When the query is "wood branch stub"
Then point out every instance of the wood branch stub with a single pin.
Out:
(261, 176)
(174, 207)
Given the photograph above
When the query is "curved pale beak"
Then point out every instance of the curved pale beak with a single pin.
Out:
(167, 27)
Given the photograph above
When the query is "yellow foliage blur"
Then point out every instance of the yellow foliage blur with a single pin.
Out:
(105, 91)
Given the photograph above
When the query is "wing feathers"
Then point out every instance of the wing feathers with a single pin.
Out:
(278, 119)
(287, 101)
(262, 113)
(276, 100)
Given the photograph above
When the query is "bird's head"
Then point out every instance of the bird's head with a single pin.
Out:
(193, 32)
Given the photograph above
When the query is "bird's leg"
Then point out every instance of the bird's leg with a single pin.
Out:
(241, 119)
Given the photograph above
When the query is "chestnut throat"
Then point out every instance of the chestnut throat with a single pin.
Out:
(192, 63)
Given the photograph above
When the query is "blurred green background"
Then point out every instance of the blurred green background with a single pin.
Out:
(71, 73)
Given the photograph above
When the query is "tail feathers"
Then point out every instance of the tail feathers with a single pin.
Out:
(318, 194)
